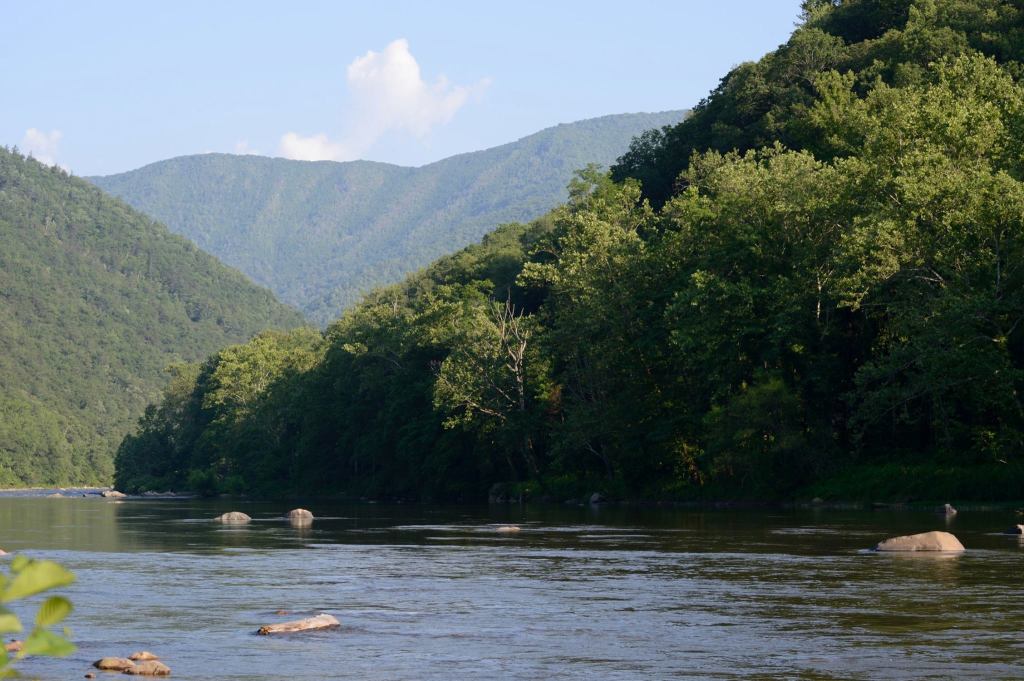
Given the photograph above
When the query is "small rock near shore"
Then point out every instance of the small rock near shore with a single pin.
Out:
(321, 621)
(14, 646)
(90, 675)
(597, 498)
(112, 494)
(113, 664)
(233, 518)
(926, 541)
(507, 529)
(142, 656)
(300, 516)
(1016, 529)
(150, 668)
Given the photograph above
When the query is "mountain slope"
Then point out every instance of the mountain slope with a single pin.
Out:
(319, 234)
(95, 301)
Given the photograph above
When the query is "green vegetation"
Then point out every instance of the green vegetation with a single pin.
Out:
(322, 234)
(837, 316)
(95, 301)
(29, 577)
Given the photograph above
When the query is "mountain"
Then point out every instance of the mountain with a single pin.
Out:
(96, 300)
(320, 234)
(837, 312)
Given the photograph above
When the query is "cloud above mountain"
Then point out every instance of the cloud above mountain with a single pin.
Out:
(42, 146)
(388, 95)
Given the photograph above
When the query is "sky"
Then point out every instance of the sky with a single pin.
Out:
(106, 87)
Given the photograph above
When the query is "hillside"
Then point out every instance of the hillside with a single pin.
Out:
(96, 300)
(844, 319)
(320, 234)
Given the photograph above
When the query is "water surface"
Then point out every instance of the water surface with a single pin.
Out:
(580, 593)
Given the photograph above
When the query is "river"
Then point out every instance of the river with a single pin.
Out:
(426, 592)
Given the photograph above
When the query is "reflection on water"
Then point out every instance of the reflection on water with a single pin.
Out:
(437, 593)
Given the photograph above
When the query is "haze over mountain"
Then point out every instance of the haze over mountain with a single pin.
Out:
(96, 300)
(319, 234)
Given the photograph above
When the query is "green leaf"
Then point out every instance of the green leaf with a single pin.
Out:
(43, 642)
(52, 611)
(9, 622)
(19, 563)
(36, 576)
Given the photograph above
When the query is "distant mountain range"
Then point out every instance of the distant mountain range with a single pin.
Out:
(319, 234)
(96, 300)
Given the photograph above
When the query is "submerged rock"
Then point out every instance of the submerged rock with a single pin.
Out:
(143, 656)
(233, 518)
(321, 621)
(926, 541)
(150, 668)
(113, 664)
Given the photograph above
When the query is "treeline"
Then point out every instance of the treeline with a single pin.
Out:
(843, 318)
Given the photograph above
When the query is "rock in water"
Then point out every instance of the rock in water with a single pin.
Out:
(926, 541)
(596, 498)
(114, 664)
(143, 656)
(112, 494)
(233, 518)
(321, 621)
(948, 510)
(507, 529)
(150, 668)
(14, 646)
(300, 516)
(1016, 529)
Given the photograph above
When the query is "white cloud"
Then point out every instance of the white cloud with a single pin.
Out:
(389, 95)
(242, 148)
(42, 146)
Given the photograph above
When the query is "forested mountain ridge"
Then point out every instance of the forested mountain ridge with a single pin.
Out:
(320, 234)
(95, 301)
(840, 319)
(764, 102)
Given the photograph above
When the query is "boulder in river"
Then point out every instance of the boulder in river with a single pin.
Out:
(113, 664)
(300, 516)
(926, 541)
(150, 668)
(321, 621)
(1016, 529)
(233, 518)
(597, 498)
(142, 656)
(112, 494)
(507, 529)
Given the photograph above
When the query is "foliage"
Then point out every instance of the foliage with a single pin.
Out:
(760, 103)
(95, 300)
(27, 578)
(322, 234)
(784, 318)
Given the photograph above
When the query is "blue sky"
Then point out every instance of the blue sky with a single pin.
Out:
(104, 87)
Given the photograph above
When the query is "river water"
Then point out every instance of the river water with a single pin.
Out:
(427, 592)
